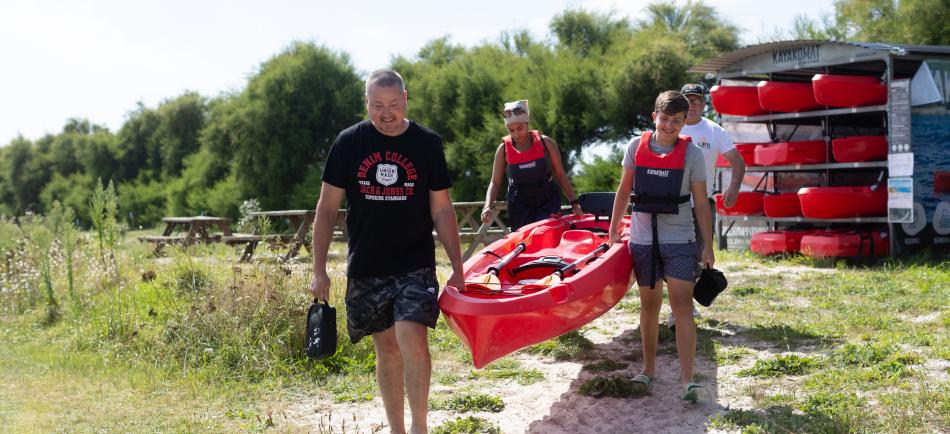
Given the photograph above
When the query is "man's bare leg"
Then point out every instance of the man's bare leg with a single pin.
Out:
(389, 375)
(417, 362)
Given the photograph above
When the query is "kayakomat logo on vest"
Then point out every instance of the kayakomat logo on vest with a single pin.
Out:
(387, 166)
(662, 173)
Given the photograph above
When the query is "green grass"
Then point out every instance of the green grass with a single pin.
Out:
(467, 425)
(467, 402)
(778, 366)
(507, 369)
(565, 347)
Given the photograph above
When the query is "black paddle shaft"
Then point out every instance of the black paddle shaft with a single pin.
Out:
(569, 267)
(495, 269)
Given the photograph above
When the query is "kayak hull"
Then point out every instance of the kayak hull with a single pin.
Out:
(842, 202)
(855, 149)
(747, 203)
(786, 97)
(782, 205)
(746, 151)
(848, 90)
(845, 243)
(777, 242)
(784, 153)
(736, 100)
(495, 324)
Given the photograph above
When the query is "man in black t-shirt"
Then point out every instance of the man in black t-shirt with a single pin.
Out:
(393, 174)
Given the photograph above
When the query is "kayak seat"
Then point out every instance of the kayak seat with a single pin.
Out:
(577, 241)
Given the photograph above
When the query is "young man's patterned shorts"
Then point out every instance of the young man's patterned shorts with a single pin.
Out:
(678, 261)
(374, 304)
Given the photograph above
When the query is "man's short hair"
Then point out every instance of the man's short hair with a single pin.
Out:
(385, 77)
(671, 103)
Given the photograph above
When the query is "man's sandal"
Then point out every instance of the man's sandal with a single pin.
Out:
(690, 393)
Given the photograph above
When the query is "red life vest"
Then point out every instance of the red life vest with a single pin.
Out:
(657, 182)
(658, 178)
(530, 168)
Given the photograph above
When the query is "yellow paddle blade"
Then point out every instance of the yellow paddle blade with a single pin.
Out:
(544, 282)
(487, 282)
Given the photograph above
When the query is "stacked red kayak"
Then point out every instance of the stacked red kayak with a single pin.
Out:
(777, 242)
(746, 151)
(804, 152)
(782, 205)
(848, 90)
(747, 203)
(856, 149)
(787, 97)
(845, 243)
(495, 322)
(842, 202)
(736, 100)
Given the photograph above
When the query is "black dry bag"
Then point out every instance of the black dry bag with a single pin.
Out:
(711, 282)
(321, 331)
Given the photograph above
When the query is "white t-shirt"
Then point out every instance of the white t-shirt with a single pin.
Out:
(712, 140)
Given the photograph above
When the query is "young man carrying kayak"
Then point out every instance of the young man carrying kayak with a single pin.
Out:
(664, 171)
(393, 174)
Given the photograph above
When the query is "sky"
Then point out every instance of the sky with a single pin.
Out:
(99, 59)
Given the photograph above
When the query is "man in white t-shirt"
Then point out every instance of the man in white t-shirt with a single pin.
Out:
(713, 140)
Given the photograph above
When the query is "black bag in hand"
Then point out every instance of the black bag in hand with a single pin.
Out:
(711, 282)
(321, 331)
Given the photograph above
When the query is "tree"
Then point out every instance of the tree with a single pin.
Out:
(291, 112)
(698, 25)
(586, 32)
(180, 123)
(923, 22)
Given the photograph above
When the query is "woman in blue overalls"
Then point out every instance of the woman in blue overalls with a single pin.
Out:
(533, 164)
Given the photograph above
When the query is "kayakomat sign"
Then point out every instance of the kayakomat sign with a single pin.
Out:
(796, 55)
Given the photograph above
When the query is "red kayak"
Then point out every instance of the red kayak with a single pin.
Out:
(842, 202)
(782, 205)
(856, 149)
(736, 100)
(777, 242)
(748, 203)
(786, 97)
(780, 154)
(746, 151)
(845, 243)
(848, 90)
(496, 321)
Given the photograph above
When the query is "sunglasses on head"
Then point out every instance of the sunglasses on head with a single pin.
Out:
(517, 111)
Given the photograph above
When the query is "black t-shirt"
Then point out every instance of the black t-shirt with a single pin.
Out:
(387, 182)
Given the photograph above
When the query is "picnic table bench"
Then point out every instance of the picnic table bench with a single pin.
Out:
(189, 230)
(300, 222)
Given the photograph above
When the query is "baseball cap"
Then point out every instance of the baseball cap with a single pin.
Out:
(693, 89)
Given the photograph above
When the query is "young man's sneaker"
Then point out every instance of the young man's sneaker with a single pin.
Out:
(671, 322)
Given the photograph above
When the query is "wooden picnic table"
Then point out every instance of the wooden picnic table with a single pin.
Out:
(300, 222)
(189, 230)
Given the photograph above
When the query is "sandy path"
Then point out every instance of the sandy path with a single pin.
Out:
(553, 404)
